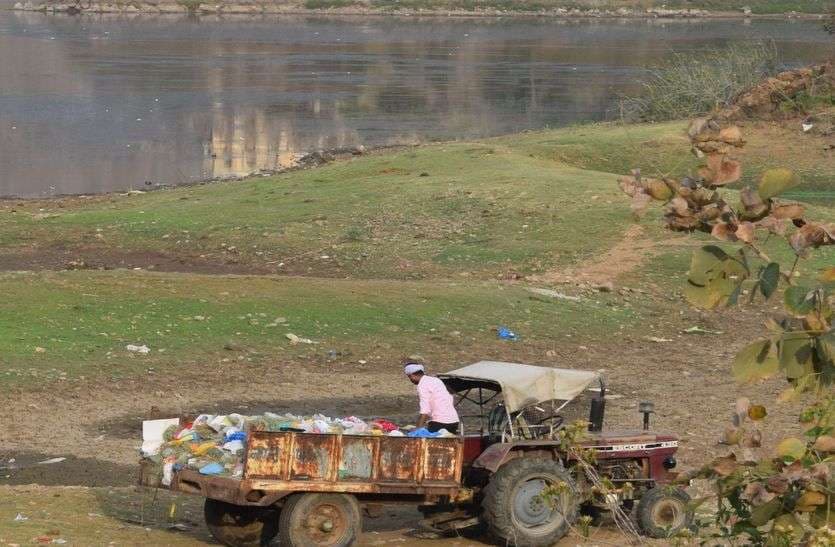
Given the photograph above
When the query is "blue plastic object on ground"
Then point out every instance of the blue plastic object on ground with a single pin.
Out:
(211, 469)
(507, 334)
(423, 432)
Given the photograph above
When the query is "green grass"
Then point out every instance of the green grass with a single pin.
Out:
(394, 250)
(84, 320)
(479, 207)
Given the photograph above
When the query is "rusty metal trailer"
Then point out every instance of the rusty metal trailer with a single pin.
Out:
(344, 470)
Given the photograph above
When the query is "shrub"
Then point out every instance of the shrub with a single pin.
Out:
(693, 84)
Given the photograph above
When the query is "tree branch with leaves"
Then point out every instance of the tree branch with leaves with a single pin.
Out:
(787, 500)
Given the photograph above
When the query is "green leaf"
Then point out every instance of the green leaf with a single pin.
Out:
(704, 262)
(796, 353)
(762, 514)
(799, 300)
(776, 181)
(769, 279)
(714, 277)
(791, 448)
(755, 362)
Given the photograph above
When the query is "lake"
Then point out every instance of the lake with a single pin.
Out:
(101, 103)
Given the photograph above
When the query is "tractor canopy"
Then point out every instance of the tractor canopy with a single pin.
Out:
(522, 385)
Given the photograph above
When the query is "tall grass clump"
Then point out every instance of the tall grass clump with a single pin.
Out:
(692, 84)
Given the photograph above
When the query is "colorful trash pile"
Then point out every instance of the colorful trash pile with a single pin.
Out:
(214, 445)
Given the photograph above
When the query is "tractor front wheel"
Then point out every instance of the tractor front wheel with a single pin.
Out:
(530, 502)
(240, 525)
(663, 511)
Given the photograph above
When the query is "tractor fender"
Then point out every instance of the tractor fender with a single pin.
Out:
(498, 454)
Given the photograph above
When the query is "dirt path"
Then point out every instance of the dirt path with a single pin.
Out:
(626, 256)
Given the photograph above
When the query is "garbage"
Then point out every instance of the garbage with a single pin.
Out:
(657, 339)
(423, 432)
(212, 469)
(506, 334)
(553, 294)
(214, 445)
(700, 330)
(20, 518)
(51, 460)
(143, 349)
(298, 340)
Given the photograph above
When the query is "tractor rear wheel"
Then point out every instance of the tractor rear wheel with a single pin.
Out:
(240, 525)
(327, 520)
(519, 511)
(663, 511)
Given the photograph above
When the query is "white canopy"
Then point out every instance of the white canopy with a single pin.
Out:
(524, 385)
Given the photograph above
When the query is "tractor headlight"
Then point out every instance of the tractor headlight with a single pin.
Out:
(669, 462)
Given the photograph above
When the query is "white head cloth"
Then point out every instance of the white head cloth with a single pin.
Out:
(412, 368)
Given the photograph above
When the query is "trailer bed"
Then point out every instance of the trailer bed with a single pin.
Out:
(279, 463)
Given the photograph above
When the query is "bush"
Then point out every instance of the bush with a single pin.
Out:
(693, 84)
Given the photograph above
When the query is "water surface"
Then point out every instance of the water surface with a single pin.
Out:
(100, 103)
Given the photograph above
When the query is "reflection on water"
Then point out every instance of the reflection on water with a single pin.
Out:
(97, 103)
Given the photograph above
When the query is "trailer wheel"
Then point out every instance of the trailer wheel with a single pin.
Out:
(240, 525)
(515, 509)
(663, 511)
(331, 520)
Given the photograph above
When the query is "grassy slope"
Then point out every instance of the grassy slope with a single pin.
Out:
(511, 203)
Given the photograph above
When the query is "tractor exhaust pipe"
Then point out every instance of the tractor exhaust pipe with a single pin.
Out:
(646, 408)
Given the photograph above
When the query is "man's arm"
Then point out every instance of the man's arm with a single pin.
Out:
(425, 406)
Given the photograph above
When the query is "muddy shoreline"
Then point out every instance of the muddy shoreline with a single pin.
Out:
(310, 160)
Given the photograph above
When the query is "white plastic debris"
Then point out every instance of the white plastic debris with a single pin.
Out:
(167, 473)
(553, 294)
(143, 349)
(234, 446)
(150, 448)
(20, 518)
(298, 340)
(51, 460)
(152, 430)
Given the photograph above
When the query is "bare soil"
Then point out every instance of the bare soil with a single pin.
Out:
(30, 258)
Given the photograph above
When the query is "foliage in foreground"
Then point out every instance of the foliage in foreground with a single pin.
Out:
(790, 499)
(691, 84)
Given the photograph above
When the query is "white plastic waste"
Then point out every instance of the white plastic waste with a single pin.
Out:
(143, 349)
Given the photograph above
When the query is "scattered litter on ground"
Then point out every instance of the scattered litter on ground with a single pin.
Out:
(51, 460)
(700, 330)
(658, 339)
(553, 294)
(143, 349)
(298, 340)
(20, 518)
(506, 334)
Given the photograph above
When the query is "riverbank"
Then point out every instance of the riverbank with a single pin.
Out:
(458, 8)
(302, 290)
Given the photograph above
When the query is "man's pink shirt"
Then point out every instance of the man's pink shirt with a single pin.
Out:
(436, 401)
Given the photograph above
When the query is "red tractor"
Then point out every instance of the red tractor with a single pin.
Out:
(508, 472)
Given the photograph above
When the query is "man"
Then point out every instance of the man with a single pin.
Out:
(437, 407)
